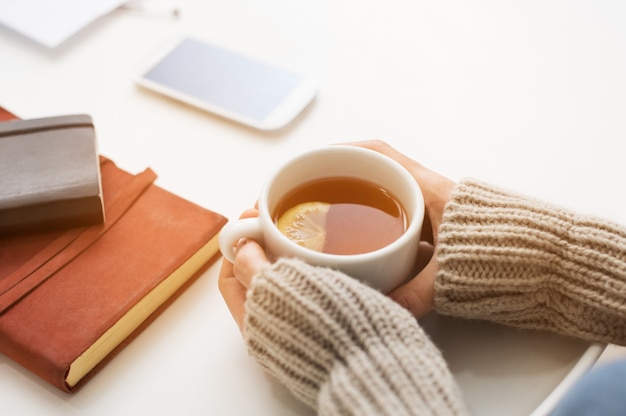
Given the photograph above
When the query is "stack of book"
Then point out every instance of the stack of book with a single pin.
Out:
(89, 253)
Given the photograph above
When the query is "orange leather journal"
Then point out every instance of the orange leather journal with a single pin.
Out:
(71, 298)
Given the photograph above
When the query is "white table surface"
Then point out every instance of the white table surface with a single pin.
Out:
(527, 95)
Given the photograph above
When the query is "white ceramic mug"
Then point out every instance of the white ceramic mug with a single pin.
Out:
(383, 269)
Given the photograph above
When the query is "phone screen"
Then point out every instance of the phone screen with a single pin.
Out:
(224, 80)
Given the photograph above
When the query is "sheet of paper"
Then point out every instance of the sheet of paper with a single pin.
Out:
(52, 22)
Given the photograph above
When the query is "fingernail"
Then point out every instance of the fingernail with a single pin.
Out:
(242, 242)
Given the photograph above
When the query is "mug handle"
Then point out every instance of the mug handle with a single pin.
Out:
(234, 231)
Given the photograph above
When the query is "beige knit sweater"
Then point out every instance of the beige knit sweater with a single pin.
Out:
(343, 348)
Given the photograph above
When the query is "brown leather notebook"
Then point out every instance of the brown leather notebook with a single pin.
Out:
(49, 174)
(70, 299)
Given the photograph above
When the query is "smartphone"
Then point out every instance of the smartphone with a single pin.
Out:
(228, 84)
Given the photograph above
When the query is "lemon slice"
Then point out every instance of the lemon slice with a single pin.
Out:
(305, 224)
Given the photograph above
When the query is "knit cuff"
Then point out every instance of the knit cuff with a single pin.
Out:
(342, 347)
(515, 260)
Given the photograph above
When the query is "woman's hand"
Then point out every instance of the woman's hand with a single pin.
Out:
(235, 279)
(418, 294)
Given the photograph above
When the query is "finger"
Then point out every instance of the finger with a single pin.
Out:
(226, 270)
(233, 292)
(425, 253)
(435, 187)
(227, 267)
(387, 150)
(247, 213)
(250, 258)
(250, 213)
(427, 230)
(418, 295)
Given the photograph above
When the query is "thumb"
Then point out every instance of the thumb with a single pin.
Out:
(250, 258)
(418, 295)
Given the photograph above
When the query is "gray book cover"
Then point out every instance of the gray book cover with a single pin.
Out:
(49, 174)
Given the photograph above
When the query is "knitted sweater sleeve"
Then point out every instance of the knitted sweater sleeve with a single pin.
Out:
(342, 347)
(517, 261)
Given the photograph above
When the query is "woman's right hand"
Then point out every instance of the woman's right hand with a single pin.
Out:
(418, 294)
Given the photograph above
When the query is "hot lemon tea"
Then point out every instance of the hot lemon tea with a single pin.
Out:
(299, 194)
(340, 215)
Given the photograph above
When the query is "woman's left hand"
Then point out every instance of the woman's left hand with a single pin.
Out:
(235, 278)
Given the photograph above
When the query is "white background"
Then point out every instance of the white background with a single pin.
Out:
(527, 95)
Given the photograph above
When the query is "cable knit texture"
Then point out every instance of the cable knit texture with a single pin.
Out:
(344, 348)
(517, 261)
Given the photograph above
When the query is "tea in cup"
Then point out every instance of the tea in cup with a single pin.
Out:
(343, 207)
